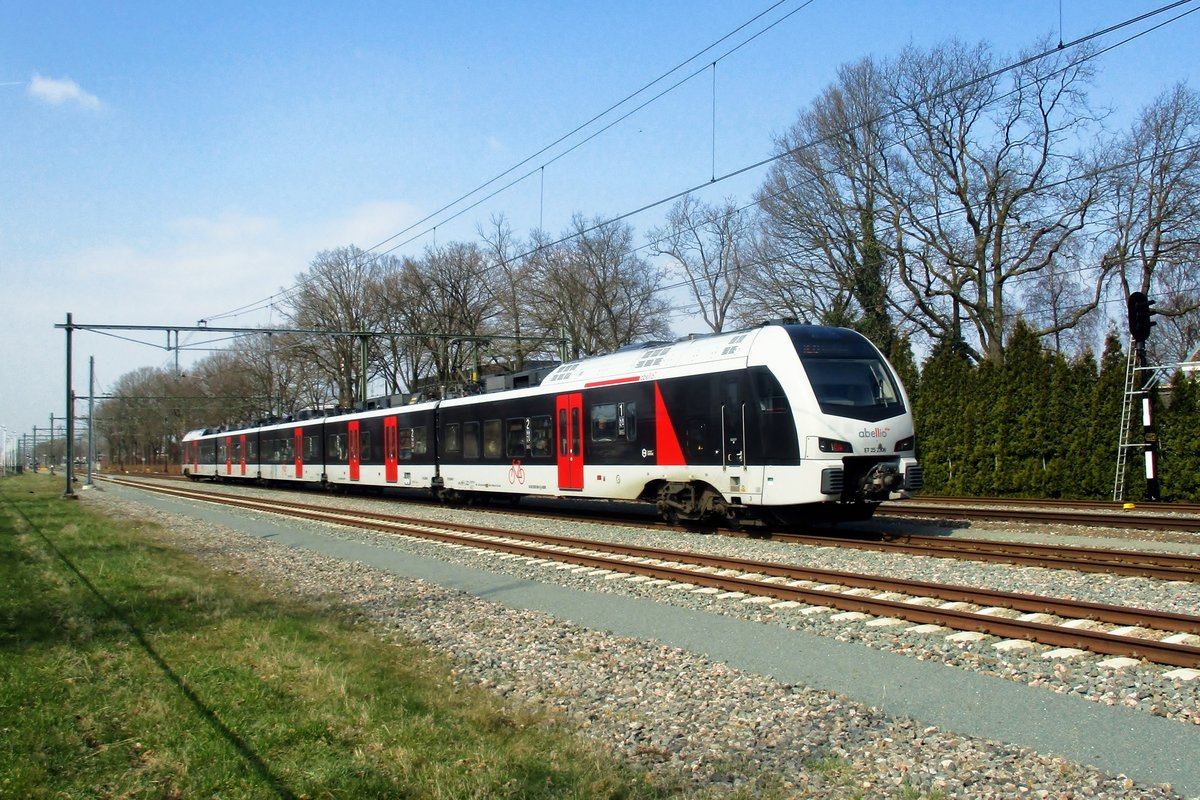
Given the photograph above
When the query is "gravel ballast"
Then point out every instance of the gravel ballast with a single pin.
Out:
(674, 711)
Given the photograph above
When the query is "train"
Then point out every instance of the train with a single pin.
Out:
(782, 424)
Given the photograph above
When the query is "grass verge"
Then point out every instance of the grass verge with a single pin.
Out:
(127, 669)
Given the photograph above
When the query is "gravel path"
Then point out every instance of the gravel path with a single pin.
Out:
(714, 727)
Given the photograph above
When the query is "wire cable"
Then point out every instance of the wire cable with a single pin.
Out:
(280, 296)
(747, 168)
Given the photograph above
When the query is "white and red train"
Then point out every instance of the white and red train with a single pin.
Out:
(777, 424)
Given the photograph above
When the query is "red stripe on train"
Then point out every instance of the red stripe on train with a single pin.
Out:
(667, 450)
(612, 382)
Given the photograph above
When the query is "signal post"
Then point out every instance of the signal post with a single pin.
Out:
(1140, 322)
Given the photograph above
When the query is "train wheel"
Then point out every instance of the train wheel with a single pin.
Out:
(693, 504)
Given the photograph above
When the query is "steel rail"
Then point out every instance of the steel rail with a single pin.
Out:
(1163, 566)
(544, 546)
(1080, 518)
(1110, 506)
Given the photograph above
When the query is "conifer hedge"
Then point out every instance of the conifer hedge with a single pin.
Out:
(1042, 425)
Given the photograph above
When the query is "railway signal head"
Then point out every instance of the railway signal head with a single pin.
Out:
(1140, 312)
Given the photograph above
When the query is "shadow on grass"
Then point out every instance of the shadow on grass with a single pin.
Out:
(45, 624)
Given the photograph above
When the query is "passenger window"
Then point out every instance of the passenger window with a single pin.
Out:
(453, 438)
(604, 422)
(627, 421)
(364, 445)
(492, 442)
(515, 437)
(337, 447)
(540, 436)
(405, 443)
(420, 444)
(471, 440)
(769, 393)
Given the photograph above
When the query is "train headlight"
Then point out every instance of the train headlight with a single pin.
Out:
(833, 446)
(904, 445)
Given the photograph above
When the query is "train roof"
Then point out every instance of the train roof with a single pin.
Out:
(710, 353)
(716, 352)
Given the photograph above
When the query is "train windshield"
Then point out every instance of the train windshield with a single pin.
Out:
(847, 374)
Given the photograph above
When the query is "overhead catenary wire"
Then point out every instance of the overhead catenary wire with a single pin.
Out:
(692, 307)
(270, 302)
(944, 93)
(1089, 174)
(279, 296)
(607, 111)
(687, 78)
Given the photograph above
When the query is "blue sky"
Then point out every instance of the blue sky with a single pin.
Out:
(164, 162)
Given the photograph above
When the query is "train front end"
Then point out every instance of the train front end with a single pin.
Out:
(854, 425)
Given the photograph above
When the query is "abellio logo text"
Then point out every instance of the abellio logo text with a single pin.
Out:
(874, 433)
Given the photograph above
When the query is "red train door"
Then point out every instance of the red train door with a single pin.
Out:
(299, 444)
(569, 408)
(391, 450)
(242, 453)
(355, 450)
(228, 455)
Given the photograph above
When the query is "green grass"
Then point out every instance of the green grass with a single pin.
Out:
(127, 669)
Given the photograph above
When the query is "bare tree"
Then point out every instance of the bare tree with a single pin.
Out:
(709, 246)
(336, 295)
(594, 286)
(990, 190)
(1152, 191)
(511, 279)
(447, 300)
(826, 211)
(993, 191)
(232, 387)
(145, 419)
(560, 294)
(271, 370)
(407, 359)
(1052, 299)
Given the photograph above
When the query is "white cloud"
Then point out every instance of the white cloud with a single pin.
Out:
(59, 91)
(194, 267)
(200, 266)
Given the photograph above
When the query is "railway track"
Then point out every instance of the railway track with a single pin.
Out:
(1164, 566)
(1114, 561)
(1137, 633)
(1152, 517)
(1108, 506)
(1183, 517)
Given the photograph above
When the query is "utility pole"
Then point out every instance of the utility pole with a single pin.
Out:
(1140, 310)
(69, 493)
(92, 418)
(363, 340)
